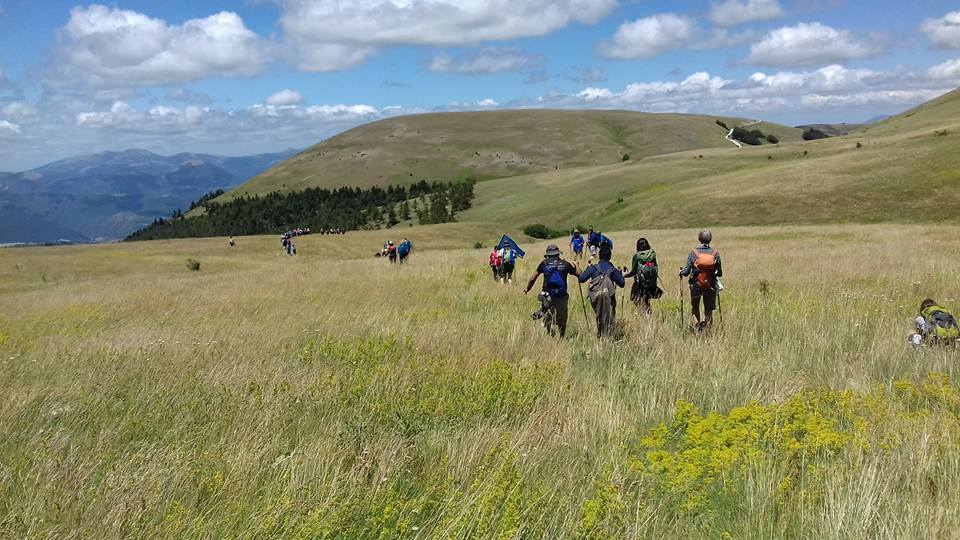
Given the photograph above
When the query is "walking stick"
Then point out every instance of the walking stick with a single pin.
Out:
(583, 305)
(680, 305)
(719, 310)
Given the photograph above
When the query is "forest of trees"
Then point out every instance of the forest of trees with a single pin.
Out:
(315, 208)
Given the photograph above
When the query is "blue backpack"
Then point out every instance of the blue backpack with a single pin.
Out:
(553, 277)
(403, 249)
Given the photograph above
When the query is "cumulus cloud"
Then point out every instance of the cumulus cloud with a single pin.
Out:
(332, 34)
(285, 97)
(9, 127)
(733, 12)
(904, 98)
(489, 60)
(947, 71)
(650, 36)
(943, 32)
(808, 44)
(188, 96)
(105, 46)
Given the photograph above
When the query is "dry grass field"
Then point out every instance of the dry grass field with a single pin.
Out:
(330, 395)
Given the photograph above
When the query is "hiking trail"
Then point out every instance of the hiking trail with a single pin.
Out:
(736, 142)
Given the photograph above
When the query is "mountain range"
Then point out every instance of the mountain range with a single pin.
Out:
(108, 195)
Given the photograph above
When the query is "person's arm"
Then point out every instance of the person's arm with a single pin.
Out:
(575, 269)
(635, 267)
(688, 267)
(617, 277)
(533, 280)
(586, 274)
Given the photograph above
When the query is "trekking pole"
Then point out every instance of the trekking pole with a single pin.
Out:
(583, 305)
(680, 305)
(719, 310)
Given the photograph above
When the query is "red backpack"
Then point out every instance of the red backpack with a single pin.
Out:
(706, 266)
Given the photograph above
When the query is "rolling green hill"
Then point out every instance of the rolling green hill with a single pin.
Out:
(491, 144)
(905, 169)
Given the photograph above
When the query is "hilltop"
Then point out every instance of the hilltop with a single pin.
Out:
(492, 144)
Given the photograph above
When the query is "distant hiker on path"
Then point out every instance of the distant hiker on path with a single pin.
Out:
(644, 271)
(553, 298)
(604, 279)
(391, 251)
(576, 245)
(935, 326)
(508, 261)
(404, 249)
(593, 241)
(703, 267)
(495, 263)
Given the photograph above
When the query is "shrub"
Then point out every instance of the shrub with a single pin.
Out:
(812, 134)
(753, 137)
(626, 157)
(722, 124)
(773, 139)
(478, 245)
(193, 264)
(538, 230)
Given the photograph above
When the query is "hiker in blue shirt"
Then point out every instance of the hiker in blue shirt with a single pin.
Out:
(593, 241)
(602, 291)
(554, 298)
(576, 244)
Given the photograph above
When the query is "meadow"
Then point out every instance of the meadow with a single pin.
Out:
(331, 395)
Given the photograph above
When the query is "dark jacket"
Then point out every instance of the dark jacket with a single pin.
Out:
(603, 267)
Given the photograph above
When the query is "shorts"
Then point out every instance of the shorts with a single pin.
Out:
(709, 298)
(594, 249)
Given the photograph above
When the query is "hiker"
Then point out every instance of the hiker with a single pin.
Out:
(231, 241)
(508, 261)
(604, 279)
(935, 326)
(703, 267)
(576, 245)
(644, 271)
(391, 251)
(495, 263)
(593, 241)
(403, 250)
(554, 295)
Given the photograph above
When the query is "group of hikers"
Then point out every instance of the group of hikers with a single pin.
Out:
(398, 252)
(503, 260)
(703, 270)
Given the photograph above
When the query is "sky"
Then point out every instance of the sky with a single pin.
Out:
(253, 76)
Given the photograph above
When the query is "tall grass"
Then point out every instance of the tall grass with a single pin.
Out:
(332, 395)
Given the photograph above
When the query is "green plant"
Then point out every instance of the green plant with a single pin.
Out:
(193, 264)
(538, 230)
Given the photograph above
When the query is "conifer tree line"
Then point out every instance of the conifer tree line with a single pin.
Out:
(347, 208)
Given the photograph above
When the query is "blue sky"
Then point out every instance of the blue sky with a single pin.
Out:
(263, 75)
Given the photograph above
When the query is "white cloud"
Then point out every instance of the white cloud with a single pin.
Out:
(808, 44)
(733, 12)
(285, 97)
(188, 96)
(110, 47)
(335, 34)
(945, 31)
(9, 127)
(18, 109)
(650, 36)
(488, 60)
(487, 103)
(904, 98)
(595, 94)
(947, 71)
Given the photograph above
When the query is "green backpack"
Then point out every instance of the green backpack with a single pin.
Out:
(646, 269)
(943, 324)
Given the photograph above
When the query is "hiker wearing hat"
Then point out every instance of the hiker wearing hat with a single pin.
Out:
(604, 279)
(576, 245)
(554, 295)
(703, 267)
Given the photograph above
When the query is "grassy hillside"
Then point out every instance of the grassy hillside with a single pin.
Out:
(330, 395)
(491, 144)
(905, 169)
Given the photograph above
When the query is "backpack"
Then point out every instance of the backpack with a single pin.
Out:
(647, 270)
(942, 322)
(556, 283)
(509, 256)
(495, 259)
(403, 249)
(601, 285)
(706, 266)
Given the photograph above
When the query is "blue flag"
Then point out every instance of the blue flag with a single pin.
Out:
(507, 241)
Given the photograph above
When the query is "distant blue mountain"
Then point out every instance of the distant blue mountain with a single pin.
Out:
(108, 195)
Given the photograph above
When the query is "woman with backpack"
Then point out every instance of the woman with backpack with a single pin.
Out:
(495, 263)
(644, 273)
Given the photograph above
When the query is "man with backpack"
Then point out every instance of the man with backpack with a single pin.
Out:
(554, 296)
(495, 263)
(935, 326)
(644, 272)
(593, 241)
(576, 245)
(508, 261)
(403, 250)
(604, 279)
(703, 267)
